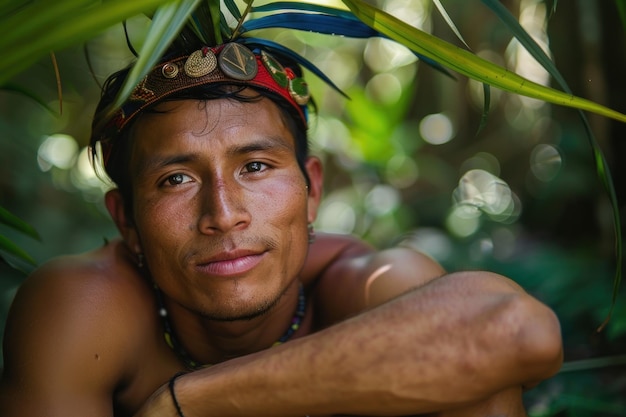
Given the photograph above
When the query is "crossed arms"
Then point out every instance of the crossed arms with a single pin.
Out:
(420, 345)
(454, 343)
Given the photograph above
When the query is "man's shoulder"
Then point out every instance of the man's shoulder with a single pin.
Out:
(348, 260)
(83, 321)
(357, 277)
(107, 270)
(82, 296)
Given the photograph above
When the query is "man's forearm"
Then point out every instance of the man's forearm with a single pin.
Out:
(457, 340)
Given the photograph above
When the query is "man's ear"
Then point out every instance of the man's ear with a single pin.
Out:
(115, 205)
(316, 185)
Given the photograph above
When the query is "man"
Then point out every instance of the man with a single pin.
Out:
(218, 301)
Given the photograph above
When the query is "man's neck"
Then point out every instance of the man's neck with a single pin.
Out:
(207, 341)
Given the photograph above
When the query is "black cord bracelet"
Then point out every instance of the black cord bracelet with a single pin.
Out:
(170, 385)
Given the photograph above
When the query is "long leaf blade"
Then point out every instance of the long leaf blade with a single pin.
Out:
(167, 22)
(9, 219)
(11, 248)
(36, 41)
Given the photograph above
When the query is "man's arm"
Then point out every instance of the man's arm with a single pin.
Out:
(449, 342)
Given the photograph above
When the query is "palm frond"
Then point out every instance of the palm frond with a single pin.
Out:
(35, 28)
(166, 24)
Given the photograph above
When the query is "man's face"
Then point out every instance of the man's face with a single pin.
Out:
(220, 205)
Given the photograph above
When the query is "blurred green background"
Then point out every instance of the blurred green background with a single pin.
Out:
(405, 160)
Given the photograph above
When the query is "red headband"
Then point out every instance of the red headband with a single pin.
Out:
(231, 63)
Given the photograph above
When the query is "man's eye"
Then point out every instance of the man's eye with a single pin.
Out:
(177, 179)
(254, 167)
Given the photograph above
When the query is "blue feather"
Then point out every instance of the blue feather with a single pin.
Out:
(325, 24)
(320, 23)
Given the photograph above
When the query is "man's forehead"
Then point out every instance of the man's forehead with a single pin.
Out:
(176, 131)
(204, 116)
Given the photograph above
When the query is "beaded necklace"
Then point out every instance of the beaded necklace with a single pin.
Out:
(190, 363)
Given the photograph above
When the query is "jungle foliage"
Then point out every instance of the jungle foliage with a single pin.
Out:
(491, 140)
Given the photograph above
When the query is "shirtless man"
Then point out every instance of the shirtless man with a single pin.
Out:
(216, 275)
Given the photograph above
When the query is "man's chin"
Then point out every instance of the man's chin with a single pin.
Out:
(233, 316)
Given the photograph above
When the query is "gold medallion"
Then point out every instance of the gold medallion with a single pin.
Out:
(200, 63)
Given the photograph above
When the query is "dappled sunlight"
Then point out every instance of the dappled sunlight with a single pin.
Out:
(482, 161)
(84, 177)
(384, 55)
(431, 241)
(336, 217)
(331, 135)
(413, 12)
(437, 129)
(381, 200)
(401, 171)
(545, 162)
(73, 170)
(57, 150)
(384, 88)
(463, 221)
(532, 19)
(479, 192)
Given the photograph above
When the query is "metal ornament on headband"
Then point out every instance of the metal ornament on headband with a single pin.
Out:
(231, 63)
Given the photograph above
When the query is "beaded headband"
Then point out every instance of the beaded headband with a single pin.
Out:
(231, 63)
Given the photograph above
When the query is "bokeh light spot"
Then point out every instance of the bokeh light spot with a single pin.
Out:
(437, 129)
(57, 150)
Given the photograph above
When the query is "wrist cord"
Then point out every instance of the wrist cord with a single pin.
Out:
(170, 385)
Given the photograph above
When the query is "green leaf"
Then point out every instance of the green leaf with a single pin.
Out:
(19, 89)
(216, 16)
(34, 30)
(594, 363)
(486, 87)
(9, 247)
(167, 22)
(467, 63)
(11, 220)
(448, 19)
(233, 9)
(205, 21)
(621, 8)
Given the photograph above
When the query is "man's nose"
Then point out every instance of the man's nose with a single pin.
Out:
(223, 209)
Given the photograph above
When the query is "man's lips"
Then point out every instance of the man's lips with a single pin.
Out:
(231, 263)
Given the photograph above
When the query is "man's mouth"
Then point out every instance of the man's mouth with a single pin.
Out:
(230, 263)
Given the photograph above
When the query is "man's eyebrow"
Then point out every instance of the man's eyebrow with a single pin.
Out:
(160, 161)
(263, 144)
